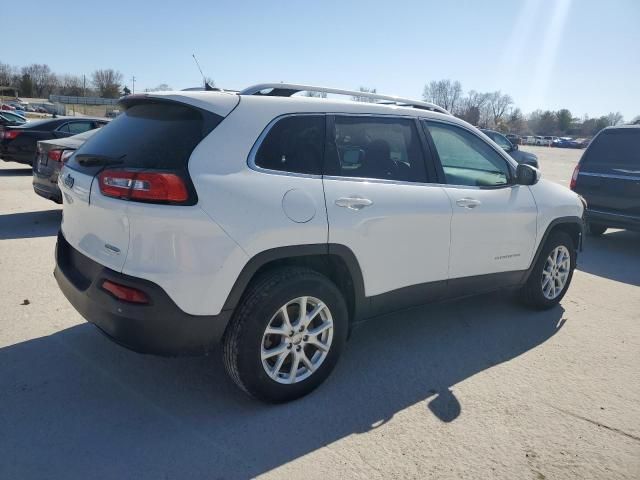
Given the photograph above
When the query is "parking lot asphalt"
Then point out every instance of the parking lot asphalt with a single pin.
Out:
(476, 388)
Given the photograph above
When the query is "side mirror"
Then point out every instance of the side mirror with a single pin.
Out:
(514, 147)
(527, 175)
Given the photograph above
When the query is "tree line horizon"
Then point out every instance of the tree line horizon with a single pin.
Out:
(495, 110)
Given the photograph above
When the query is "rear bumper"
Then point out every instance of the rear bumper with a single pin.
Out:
(613, 220)
(44, 187)
(160, 327)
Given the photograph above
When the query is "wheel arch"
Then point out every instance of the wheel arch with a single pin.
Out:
(574, 226)
(337, 262)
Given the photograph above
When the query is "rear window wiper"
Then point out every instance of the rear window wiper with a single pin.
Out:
(91, 160)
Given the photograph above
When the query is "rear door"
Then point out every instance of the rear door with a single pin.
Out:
(381, 205)
(609, 172)
(149, 136)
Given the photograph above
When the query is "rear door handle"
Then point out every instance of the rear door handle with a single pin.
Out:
(468, 202)
(353, 203)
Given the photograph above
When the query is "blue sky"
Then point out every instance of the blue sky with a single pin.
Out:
(580, 54)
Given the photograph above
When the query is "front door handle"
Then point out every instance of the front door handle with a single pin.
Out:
(353, 203)
(468, 202)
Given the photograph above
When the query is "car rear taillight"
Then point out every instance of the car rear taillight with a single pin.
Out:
(10, 134)
(124, 293)
(143, 186)
(574, 177)
(55, 155)
(59, 155)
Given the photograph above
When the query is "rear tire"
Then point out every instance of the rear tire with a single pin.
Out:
(268, 336)
(596, 229)
(552, 273)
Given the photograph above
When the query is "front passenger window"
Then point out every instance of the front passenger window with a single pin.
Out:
(466, 159)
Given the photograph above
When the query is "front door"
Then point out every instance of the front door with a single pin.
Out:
(493, 228)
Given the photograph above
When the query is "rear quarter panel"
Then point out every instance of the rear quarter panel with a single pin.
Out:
(248, 204)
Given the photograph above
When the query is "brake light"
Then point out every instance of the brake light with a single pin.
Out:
(10, 134)
(55, 155)
(574, 177)
(127, 294)
(144, 186)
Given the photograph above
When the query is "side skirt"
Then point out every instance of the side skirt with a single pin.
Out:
(425, 293)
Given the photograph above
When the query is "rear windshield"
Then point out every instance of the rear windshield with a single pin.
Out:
(157, 135)
(615, 148)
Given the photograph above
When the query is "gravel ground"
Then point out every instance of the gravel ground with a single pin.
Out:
(478, 388)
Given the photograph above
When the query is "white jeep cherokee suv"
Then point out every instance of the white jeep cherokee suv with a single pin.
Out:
(273, 223)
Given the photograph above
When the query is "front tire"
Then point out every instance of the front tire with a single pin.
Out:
(287, 334)
(551, 276)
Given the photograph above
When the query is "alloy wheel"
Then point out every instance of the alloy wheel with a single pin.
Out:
(297, 340)
(556, 272)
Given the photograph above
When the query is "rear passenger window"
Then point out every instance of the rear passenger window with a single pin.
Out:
(466, 159)
(294, 144)
(79, 127)
(380, 148)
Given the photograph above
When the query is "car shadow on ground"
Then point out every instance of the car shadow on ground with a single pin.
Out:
(16, 172)
(75, 405)
(614, 255)
(45, 223)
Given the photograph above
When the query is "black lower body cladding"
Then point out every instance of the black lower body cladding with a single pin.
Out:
(614, 219)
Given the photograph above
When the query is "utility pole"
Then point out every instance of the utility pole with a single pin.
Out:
(133, 84)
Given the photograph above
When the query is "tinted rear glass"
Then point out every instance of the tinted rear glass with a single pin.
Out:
(615, 148)
(294, 144)
(148, 135)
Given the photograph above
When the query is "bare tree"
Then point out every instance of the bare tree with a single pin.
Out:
(614, 119)
(107, 82)
(315, 94)
(71, 85)
(7, 75)
(364, 99)
(44, 81)
(471, 107)
(444, 93)
(163, 87)
(516, 122)
(499, 103)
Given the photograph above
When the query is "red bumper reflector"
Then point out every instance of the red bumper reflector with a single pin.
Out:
(126, 294)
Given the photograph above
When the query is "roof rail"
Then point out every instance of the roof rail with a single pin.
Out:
(289, 89)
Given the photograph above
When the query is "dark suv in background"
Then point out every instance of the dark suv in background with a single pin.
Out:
(608, 177)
